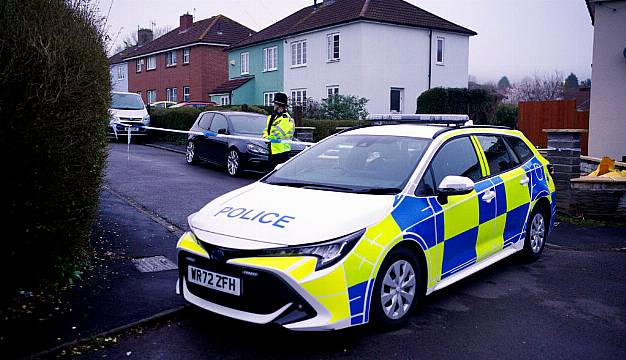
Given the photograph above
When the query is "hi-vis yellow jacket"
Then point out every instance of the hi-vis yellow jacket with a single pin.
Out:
(282, 128)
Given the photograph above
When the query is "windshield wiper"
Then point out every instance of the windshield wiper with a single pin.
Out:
(380, 191)
(313, 186)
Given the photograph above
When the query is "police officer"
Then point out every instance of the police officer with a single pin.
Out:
(280, 126)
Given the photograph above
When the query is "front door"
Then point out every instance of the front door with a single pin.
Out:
(218, 146)
(396, 100)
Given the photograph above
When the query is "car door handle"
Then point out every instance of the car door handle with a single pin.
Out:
(524, 181)
(488, 196)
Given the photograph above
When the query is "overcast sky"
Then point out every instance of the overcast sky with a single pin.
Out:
(516, 38)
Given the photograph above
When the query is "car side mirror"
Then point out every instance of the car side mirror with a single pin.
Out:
(455, 185)
(222, 131)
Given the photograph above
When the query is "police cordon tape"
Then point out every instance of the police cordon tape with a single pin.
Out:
(206, 134)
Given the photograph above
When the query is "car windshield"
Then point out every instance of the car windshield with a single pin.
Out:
(248, 124)
(126, 102)
(371, 164)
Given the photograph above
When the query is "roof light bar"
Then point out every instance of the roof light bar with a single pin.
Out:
(421, 118)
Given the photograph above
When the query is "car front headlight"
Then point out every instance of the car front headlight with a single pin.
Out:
(146, 120)
(256, 149)
(328, 252)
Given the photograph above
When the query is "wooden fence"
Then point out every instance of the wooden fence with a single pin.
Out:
(534, 116)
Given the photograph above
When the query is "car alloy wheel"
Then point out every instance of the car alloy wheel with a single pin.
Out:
(190, 154)
(398, 289)
(232, 163)
(537, 232)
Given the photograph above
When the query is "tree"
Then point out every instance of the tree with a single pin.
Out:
(586, 83)
(346, 107)
(130, 39)
(503, 83)
(537, 88)
(571, 82)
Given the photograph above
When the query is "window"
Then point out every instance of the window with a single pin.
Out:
(520, 148)
(186, 56)
(151, 96)
(427, 186)
(270, 59)
(268, 98)
(440, 48)
(245, 66)
(332, 91)
(186, 92)
(456, 157)
(139, 64)
(151, 65)
(205, 121)
(219, 122)
(499, 157)
(121, 74)
(298, 53)
(171, 94)
(333, 47)
(225, 100)
(170, 58)
(298, 96)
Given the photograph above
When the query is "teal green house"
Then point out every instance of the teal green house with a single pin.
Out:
(255, 74)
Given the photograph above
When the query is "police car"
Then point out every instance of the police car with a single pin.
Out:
(361, 226)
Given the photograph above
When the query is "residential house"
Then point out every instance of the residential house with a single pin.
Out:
(387, 51)
(185, 63)
(118, 66)
(607, 116)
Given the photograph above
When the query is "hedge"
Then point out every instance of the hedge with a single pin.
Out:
(324, 128)
(54, 100)
(479, 104)
(506, 115)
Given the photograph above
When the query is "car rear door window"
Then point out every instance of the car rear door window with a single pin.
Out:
(456, 157)
(219, 123)
(520, 148)
(499, 157)
(205, 121)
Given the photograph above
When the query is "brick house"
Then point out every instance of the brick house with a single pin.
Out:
(187, 62)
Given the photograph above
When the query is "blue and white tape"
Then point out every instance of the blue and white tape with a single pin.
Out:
(208, 134)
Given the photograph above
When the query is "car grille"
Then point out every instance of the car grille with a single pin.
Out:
(261, 292)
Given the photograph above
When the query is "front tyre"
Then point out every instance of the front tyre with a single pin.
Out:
(190, 155)
(233, 163)
(536, 235)
(397, 290)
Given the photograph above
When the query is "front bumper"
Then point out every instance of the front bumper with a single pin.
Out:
(282, 290)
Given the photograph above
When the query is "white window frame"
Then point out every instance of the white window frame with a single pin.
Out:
(170, 58)
(151, 65)
(298, 96)
(151, 96)
(186, 93)
(121, 74)
(139, 65)
(270, 58)
(443, 50)
(332, 90)
(224, 100)
(268, 98)
(298, 53)
(171, 94)
(186, 55)
(245, 63)
(330, 47)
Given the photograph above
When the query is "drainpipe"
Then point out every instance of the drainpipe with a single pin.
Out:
(430, 57)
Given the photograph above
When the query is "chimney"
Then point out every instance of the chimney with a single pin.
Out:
(186, 21)
(144, 36)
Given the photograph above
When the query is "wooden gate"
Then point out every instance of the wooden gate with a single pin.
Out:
(534, 116)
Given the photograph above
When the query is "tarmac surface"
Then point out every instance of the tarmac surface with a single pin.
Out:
(569, 304)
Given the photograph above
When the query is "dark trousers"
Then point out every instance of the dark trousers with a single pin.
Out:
(276, 159)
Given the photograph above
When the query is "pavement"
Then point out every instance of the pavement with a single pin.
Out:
(569, 304)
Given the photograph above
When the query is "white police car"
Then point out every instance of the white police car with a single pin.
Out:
(359, 227)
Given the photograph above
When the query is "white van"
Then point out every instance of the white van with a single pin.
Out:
(127, 108)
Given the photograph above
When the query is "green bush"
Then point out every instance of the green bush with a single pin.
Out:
(324, 128)
(479, 104)
(506, 115)
(54, 100)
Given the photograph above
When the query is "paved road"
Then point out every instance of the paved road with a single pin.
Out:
(569, 304)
